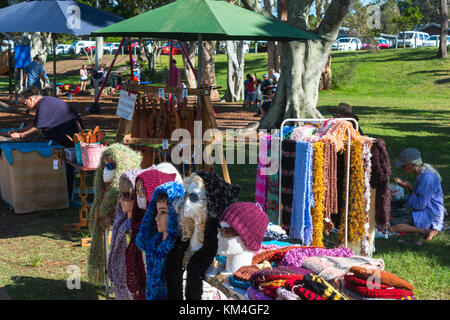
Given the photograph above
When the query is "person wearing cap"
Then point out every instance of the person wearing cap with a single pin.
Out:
(266, 84)
(344, 110)
(426, 200)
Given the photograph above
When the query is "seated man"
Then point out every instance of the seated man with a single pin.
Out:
(426, 201)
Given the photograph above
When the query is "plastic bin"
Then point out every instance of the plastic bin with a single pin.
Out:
(91, 154)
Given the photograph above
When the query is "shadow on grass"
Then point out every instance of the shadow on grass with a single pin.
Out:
(30, 288)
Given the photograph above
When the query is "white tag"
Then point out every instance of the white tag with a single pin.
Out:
(184, 93)
(55, 164)
(165, 144)
(327, 220)
(161, 93)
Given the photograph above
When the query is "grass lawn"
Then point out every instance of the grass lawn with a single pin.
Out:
(400, 95)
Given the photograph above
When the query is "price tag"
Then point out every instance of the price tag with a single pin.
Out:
(327, 220)
(161, 93)
(184, 93)
(55, 164)
(165, 144)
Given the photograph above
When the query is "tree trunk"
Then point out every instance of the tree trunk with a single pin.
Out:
(325, 78)
(235, 73)
(444, 27)
(303, 62)
(189, 46)
(273, 57)
(208, 68)
(141, 56)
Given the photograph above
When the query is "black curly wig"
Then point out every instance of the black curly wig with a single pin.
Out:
(220, 195)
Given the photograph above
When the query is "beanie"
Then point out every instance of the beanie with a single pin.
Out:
(249, 221)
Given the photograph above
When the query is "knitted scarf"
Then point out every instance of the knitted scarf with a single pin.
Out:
(381, 173)
(392, 293)
(381, 276)
(358, 282)
(136, 275)
(272, 196)
(301, 222)
(330, 184)
(356, 213)
(321, 287)
(261, 180)
(367, 245)
(150, 240)
(116, 258)
(268, 255)
(104, 205)
(277, 273)
(295, 257)
(288, 149)
(317, 212)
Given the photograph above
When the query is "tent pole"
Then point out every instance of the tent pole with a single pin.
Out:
(170, 63)
(54, 63)
(200, 62)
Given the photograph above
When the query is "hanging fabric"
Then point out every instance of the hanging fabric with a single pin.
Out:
(288, 158)
(330, 185)
(317, 212)
(261, 179)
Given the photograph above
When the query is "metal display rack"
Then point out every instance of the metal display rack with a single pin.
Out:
(348, 165)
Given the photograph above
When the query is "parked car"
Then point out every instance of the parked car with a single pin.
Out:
(347, 44)
(78, 45)
(380, 44)
(433, 41)
(412, 39)
(165, 49)
(62, 49)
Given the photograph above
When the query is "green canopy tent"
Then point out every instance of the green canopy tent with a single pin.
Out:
(198, 20)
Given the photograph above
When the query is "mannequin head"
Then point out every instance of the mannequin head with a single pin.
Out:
(162, 216)
(109, 167)
(192, 208)
(126, 195)
(229, 241)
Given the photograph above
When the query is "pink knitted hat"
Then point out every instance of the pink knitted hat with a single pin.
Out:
(249, 221)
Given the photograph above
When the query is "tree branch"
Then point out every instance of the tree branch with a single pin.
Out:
(254, 6)
(332, 21)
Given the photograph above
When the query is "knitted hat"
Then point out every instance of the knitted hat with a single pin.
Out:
(381, 276)
(249, 221)
(245, 272)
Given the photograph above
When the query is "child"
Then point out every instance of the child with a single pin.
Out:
(258, 93)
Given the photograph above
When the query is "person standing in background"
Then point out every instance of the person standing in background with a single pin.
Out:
(34, 72)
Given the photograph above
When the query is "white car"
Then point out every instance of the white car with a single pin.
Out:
(412, 39)
(347, 44)
(78, 46)
(62, 49)
(433, 41)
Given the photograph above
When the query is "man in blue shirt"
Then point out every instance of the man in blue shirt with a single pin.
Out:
(426, 201)
(34, 73)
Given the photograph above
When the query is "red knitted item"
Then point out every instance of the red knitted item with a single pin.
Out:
(379, 293)
(381, 276)
(352, 280)
(261, 275)
(136, 274)
(244, 273)
(278, 277)
(302, 292)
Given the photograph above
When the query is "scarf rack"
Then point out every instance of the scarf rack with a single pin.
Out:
(312, 120)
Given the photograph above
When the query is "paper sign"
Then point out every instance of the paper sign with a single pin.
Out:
(125, 107)
(161, 93)
(55, 164)
(165, 144)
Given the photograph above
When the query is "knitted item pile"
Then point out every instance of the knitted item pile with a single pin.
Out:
(136, 275)
(321, 287)
(244, 273)
(268, 255)
(249, 221)
(288, 158)
(301, 222)
(297, 287)
(116, 268)
(381, 173)
(150, 240)
(330, 268)
(382, 277)
(317, 212)
(104, 206)
(295, 257)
